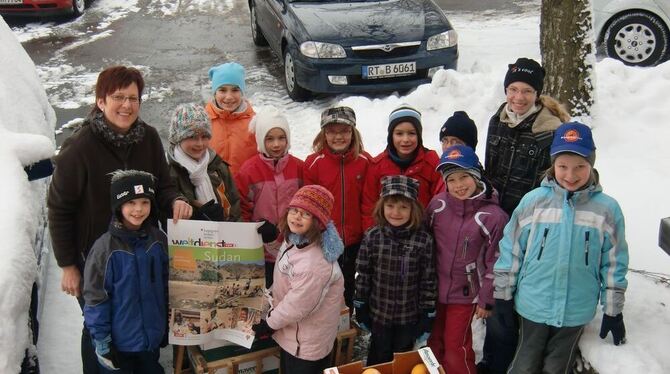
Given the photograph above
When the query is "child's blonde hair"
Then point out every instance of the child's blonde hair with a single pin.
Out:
(415, 218)
(356, 146)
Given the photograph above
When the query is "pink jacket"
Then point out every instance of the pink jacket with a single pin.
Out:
(307, 296)
(266, 189)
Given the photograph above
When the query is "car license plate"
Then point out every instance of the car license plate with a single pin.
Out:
(11, 1)
(388, 70)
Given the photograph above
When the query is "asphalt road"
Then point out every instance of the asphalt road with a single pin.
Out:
(176, 47)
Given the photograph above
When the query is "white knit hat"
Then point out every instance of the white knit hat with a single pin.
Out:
(267, 120)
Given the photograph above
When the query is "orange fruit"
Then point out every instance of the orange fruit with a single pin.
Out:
(371, 371)
(419, 369)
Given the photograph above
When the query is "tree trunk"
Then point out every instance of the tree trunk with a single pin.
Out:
(568, 53)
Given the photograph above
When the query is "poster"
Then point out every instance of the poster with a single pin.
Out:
(216, 282)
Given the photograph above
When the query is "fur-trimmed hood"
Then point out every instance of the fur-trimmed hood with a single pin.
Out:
(552, 115)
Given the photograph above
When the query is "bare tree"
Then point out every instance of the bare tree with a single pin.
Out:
(567, 43)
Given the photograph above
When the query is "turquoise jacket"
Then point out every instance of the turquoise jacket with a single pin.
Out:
(561, 252)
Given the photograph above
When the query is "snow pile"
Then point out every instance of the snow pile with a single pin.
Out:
(26, 127)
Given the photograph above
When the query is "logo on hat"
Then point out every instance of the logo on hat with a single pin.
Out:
(571, 136)
(454, 154)
(516, 69)
(139, 189)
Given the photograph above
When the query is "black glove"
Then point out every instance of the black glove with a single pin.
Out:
(425, 324)
(616, 326)
(262, 330)
(504, 311)
(268, 231)
(210, 211)
(362, 311)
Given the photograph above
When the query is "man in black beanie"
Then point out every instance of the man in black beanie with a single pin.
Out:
(517, 155)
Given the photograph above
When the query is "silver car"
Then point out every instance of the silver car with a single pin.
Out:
(633, 31)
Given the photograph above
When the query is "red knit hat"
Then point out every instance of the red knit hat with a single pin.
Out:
(316, 200)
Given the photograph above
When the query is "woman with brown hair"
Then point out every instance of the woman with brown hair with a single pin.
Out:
(112, 137)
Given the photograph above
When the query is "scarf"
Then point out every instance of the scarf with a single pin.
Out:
(403, 163)
(101, 128)
(197, 173)
(514, 119)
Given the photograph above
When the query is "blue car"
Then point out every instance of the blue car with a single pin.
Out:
(354, 46)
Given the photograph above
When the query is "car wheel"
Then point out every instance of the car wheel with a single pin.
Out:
(638, 39)
(78, 7)
(256, 32)
(294, 90)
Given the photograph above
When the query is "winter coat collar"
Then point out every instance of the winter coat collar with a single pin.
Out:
(551, 114)
(397, 232)
(277, 166)
(331, 244)
(215, 112)
(464, 207)
(577, 197)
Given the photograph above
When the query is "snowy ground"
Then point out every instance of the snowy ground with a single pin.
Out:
(631, 127)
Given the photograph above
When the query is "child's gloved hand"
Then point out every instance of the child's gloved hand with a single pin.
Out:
(210, 211)
(362, 312)
(107, 356)
(504, 311)
(262, 330)
(425, 324)
(268, 231)
(616, 326)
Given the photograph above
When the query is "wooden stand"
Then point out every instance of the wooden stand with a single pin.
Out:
(199, 364)
(344, 347)
(342, 354)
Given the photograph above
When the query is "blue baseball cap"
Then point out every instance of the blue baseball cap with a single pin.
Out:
(573, 137)
(459, 158)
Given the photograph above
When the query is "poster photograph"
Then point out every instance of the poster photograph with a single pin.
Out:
(216, 283)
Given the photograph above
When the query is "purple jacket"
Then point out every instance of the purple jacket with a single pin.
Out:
(466, 235)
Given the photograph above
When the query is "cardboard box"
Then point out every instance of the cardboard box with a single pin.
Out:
(270, 366)
(344, 324)
(402, 364)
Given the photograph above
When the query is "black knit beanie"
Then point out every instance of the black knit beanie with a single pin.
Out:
(525, 70)
(461, 126)
(131, 184)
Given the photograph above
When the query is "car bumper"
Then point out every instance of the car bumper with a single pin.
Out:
(37, 9)
(312, 74)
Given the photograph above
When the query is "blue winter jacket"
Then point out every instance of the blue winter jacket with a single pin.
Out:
(125, 288)
(561, 252)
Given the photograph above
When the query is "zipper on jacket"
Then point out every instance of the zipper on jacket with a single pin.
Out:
(544, 241)
(465, 247)
(297, 330)
(586, 248)
(343, 199)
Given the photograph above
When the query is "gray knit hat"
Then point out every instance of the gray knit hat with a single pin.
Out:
(188, 120)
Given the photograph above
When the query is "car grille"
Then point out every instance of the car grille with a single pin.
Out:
(380, 50)
(357, 80)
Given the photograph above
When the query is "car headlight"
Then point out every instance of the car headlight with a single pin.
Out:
(443, 40)
(322, 50)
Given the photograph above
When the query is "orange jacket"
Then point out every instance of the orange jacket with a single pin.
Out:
(231, 138)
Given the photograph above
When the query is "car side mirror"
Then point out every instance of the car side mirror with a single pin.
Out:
(664, 235)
